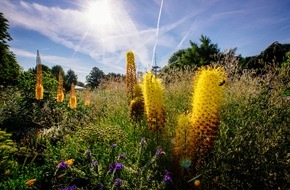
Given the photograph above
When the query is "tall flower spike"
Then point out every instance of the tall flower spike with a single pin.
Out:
(39, 85)
(201, 125)
(131, 79)
(73, 98)
(88, 97)
(60, 94)
(137, 104)
(153, 101)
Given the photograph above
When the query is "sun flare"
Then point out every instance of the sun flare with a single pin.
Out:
(99, 13)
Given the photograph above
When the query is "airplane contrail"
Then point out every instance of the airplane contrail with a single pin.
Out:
(157, 32)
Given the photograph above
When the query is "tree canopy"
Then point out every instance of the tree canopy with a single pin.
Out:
(9, 68)
(70, 78)
(95, 77)
(195, 55)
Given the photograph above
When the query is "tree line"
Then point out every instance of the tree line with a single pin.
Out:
(193, 56)
(208, 52)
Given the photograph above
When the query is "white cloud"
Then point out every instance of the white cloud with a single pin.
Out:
(76, 30)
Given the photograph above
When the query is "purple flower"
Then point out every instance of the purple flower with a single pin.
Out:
(94, 164)
(113, 146)
(167, 177)
(112, 168)
(121, 156)
(100, 186)
(88, 153)
(62, 165)
(118, 166)
(159, 151)
(143, 140)
(115, 166)
(68, 188)
(118, 182)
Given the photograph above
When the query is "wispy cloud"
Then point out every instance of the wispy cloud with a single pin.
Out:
(76, 30)
(51, 60)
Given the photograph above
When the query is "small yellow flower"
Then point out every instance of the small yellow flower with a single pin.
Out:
(69, 162)
(30, 182)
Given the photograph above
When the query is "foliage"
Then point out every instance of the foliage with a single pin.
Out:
(9, 68)
(195, 55)
(7, 149)
(56, 70)
(95, 77)
(69, 79)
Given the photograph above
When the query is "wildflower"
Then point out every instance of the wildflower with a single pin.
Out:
(68, 188)
(118, 166)
(131, 79)
(30, 182)
(73, 98)
(167, 177)
(143, 140)
(112, 168)
(88, 153)
(121, 156)
(60, 94)
(196, 131)
(153, 91)
(100, 186)
(69, 162)
(137, 104)
(118, 182)
(39, 91)
(39, 83)
(159, 152)
(94, 164)
(113, 146)
(197, 183)
(62, 165)
(88, 98)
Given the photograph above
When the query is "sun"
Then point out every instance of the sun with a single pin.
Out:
(99, 13)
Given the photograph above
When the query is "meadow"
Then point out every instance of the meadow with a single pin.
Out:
(45, 144)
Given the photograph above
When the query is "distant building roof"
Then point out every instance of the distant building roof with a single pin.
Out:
(79, 87)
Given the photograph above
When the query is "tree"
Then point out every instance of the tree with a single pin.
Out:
(56, 69)
(9, 68)
(95, 77)
(70, 78)
(195, 55)
(207, 50)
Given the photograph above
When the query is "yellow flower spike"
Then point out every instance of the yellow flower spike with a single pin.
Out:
(30, 182)
(87, 97)
(69, 162)
(39, 84)
(153, 101)
(131, 79)
(73, 98)
(201, 125)
(137, 104)
(60, 94)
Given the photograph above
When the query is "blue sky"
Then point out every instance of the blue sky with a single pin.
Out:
(82, 34)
